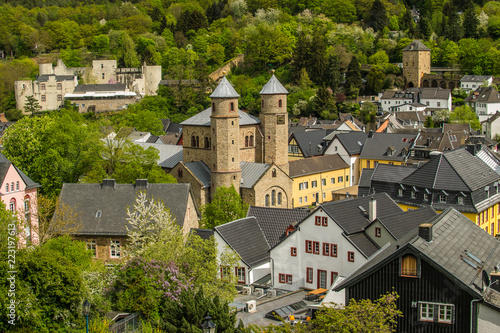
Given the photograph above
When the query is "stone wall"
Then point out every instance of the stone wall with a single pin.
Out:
(103, 105)
(201, 194)
(103, 250)
(279, 182)
(416, 64)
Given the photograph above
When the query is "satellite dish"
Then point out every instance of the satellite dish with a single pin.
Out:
(486, 278)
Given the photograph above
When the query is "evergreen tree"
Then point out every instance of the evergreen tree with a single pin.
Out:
(453, 29)
(32, 105)
(470, 23)
(318, 59)
(353, 82)
(378, 17)
(424, 28)
(226, 206)
(333, 75)
(301, 56)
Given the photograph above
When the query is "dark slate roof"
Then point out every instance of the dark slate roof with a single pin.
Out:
(416, 45)
(203, 233)
(224, 90)
(401, 223)
(45, 77)
(203, 118)
(112, 201)
(201, 171)
(454, 235)
(376, 146)
(391, 173)
(246, 238)
(82, 88)
(484, 95)
(494, 117)
(316, 164)
(4, 167)
(353, 141)
(455, 170)
(274, 221)
(251, 173)
(434, 93)
(310, 142)
(365, 181)
(273, 87)
(363, 243)
(351, 218)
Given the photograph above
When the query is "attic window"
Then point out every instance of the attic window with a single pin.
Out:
(405, 139)
(98, 213)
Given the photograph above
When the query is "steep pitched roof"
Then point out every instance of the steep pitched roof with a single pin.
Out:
(203, 118)
(247, 239)
(353, 141)
(351, 218)
(316, 164)
(416, 45)
(399, 224)
(475, 78)
(273, 87)
(251, 173)
(391, 173)
(310, 142)
(453, 237)
(434, 93)
(224, 90)
(112, 202)
(274, 221)
(484, 95)
(169, 155)
(376, 146)
(201, 171)
(4, 167)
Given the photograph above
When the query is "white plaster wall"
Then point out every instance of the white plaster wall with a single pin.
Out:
(488, 320)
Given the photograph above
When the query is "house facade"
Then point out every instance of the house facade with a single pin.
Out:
(19, 194)
(441, 272)
(485, 101)
(472, 82)
(101, 97)
(101, 211)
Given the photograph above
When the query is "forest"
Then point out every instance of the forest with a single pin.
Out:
(325, 52)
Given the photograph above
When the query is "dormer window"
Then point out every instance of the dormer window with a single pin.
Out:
(400, 192)
(98, 213)
(460, 200)
(442, 198)
(413, 194)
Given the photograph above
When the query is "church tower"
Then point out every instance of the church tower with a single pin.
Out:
(416, 63)
(225, 137)
(274, 123)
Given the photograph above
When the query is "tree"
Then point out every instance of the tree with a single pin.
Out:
(100, 44)
(470, 22)
(66, 222)
(465, 115)
(226, 206)
(31, 105)
(360, 316)
(353, 81)
(378, 18)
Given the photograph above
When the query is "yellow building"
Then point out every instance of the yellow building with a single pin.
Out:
(458, 179)
(315, 179)
(385, 148)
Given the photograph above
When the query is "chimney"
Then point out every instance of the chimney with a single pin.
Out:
(425, 231)
(108, 183)
(372, 209)
(141, 183)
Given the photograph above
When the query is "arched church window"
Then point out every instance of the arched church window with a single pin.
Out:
(267, 200)
(273, 198)
(179, 173)
(250, 143)
(213, 107)
(246, 141)
(232, 106)
(193, 141)
(273, 173)
(280, 103)
(207, 143)
(197, 141)
(280, 198)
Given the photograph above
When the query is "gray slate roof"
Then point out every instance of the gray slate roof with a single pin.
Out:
(273, 87)
(400, 224)
(251, 173)
(453, 235)
(112, 201)
(376, 146)
(434, 93)
(203, 118)
(201, 171)
(365, 181)
(82, 88)
(391, 173)
(247, 239)
(274, 221)
(363, 243)
(351, 141)
(475, 78)
(316, 164)
(352, 219)
(45, 77)
(203, 233)
(456, 170)
(169, 155)
(416, 45)
(310, 142)
(224, 90)
(4, 167)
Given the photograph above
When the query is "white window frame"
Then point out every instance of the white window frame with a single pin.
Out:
(240, 274)
(114, 249)
(426, 312)
(445, 313)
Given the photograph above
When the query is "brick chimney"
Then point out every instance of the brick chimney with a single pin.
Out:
(108, 183)
(425, 231)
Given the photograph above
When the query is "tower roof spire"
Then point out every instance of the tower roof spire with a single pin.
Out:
(273, 87)
(224, 90)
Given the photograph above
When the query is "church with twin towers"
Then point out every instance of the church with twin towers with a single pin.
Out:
(224, 146)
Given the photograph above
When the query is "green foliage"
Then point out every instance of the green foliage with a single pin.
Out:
(32, 106)
(361, 316)
(465, 115)
(226, 206)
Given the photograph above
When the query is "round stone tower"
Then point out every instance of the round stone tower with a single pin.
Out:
(416, 63)
(274, 123)
(225, 137)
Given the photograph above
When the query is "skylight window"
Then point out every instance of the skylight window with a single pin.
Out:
(98, 213)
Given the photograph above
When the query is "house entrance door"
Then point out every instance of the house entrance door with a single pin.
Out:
(321, 279)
